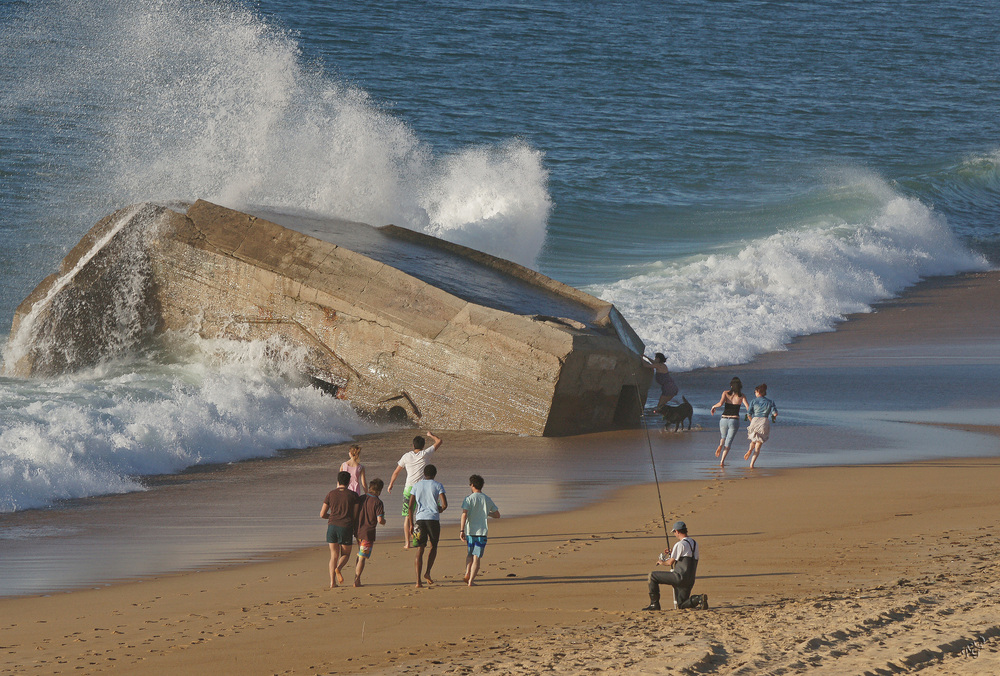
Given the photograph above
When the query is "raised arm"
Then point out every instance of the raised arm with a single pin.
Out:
(436, 439)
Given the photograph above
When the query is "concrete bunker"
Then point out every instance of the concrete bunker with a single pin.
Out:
(404, 325)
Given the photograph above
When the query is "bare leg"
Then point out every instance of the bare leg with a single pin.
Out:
(358, 569)
(749, 451)
(418, 563)
(468, 569)
(431, 555)
(725, 452)
(474, 570)
(334, 558)
(407, 531)
(345, 554)
(718, 450)
(756, 455)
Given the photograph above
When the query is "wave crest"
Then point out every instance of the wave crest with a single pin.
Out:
(728, 308)
(210, 100)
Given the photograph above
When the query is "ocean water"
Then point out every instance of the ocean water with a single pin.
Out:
(730, 174)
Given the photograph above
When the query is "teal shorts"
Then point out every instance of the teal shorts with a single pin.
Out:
(339, 535)
(476, 544)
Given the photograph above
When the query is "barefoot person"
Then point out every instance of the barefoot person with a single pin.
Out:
(682, 561)
(413, 462)
(762, 413)
(340, 509)
(371, 514)
(730, 402)
(356, 469)
(477, 509)
(668, 388)
(427, 501)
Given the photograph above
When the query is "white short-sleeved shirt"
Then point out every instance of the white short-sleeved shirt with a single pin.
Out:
(414, 462)
(685, 547)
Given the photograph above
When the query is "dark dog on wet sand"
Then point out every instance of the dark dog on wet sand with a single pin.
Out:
(675, 415)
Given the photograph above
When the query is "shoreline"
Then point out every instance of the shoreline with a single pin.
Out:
(550, 474)
(831, 563)
(880, 562)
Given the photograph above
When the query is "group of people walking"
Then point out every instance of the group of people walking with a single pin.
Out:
(354, 510)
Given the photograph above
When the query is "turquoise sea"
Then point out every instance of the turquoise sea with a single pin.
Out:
(730, 174)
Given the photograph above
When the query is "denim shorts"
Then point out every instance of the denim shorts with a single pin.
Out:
(728, 427)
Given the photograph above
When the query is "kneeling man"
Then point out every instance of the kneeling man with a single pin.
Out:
(683, 562)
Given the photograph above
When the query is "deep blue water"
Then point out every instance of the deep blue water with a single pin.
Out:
(730, 174)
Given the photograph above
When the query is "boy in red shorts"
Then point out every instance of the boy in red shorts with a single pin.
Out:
(371, 513)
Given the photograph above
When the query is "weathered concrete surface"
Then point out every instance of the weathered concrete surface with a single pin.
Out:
(387, 340)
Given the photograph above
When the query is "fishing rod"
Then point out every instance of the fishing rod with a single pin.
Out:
(640, 401)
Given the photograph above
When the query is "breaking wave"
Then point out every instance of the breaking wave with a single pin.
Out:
(727, 308)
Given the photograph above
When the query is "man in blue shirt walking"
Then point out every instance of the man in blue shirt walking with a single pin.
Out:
(427, 501)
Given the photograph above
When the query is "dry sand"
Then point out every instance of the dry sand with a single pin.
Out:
(836, 570)
(843, 570)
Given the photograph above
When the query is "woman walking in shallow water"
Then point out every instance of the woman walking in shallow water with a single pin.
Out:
(730, 402)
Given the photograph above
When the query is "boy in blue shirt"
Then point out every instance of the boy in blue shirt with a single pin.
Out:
(477, 508)
(427, 501)
(761, 412)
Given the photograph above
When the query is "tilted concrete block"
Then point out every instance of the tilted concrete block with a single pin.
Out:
(392, 320)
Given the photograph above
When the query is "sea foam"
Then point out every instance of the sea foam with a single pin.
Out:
(211, 100)
(101, 431)
(171, 101)
(727, 308)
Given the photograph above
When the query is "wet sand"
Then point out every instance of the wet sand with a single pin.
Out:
(873, 565)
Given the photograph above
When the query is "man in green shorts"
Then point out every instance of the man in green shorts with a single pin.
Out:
(414, 463)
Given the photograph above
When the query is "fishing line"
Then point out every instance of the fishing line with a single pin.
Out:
(640, 400)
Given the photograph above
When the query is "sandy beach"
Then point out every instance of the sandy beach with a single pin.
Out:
(874, 567)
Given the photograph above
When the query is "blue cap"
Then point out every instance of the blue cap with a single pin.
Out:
(680, 525)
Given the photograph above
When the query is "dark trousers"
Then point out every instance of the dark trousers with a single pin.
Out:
(682, 588)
